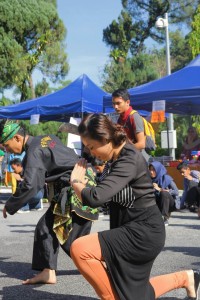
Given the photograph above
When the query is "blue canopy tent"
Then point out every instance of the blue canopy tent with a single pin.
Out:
(81, 96)
(180, 90)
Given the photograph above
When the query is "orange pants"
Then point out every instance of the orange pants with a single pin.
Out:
(87, 256)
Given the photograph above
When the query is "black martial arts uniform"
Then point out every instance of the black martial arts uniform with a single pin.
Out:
(46, 160)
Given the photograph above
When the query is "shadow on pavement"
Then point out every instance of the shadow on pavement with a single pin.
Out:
(21, 271)
(30, 292)
(190, 251)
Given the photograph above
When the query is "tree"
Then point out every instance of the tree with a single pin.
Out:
(180, 51)
(194, 37)
(136, 22)
(44, 127)
(42, 88)
(31, 37)
(128, 73)
(5, 101)
(127, 39)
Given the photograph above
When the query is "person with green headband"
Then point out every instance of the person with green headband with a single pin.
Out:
(9, 130)
(46, 160)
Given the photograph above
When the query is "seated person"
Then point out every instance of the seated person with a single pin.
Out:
(36, 202)
(166, 190)
(191, 182)
(191, 143)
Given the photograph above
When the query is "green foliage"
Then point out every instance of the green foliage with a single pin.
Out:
(117, 75)
(194, 37)
(42, 88)
(119, 35)
(136, 22)
(180, 51)
(43, 128)
(131, 63)
(31, 37)
(128, 73)
(5, 101)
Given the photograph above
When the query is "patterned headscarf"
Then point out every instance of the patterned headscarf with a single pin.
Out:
(10, 128)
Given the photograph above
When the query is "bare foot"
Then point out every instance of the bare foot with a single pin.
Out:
(191, 288)
(47, 276)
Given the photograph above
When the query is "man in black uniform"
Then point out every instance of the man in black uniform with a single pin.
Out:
(46, 160)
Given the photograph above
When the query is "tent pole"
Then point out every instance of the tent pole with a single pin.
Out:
(168, 138)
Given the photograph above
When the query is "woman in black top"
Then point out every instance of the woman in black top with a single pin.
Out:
(118, 262)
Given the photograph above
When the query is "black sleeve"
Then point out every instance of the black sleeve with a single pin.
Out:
(34, 181)
(124, 170)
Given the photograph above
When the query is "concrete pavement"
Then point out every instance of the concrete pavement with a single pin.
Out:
(182, 251)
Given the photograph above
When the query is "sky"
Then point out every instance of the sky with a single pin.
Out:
(85, 21)
(86, 51)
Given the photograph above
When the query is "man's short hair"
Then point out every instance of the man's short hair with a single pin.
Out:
(121, 93)
(16, 161)
(183, 165)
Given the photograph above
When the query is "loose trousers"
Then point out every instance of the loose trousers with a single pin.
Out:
(46, 244)
(166, 203)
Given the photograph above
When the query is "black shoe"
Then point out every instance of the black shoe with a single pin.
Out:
(196, 283)
(192, 208)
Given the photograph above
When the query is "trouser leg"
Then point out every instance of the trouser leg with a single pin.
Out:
(86, 254)
(35, 202)
(193, 195)
(166, 283)
(165, 203)
(46, 245)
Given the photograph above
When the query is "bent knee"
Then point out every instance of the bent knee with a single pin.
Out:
(74, 249)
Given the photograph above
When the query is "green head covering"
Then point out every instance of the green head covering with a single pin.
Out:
(8, 130)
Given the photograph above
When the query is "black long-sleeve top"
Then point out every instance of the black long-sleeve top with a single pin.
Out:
(46, 160)
(128, 172)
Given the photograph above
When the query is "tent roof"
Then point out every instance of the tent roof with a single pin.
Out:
(80, 96)
(181, 90)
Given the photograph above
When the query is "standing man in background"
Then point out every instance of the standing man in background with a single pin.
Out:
(132, 123)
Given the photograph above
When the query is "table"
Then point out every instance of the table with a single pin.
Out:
(178, 178)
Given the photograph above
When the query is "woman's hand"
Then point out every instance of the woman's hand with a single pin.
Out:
(156, 187)
(78, 173)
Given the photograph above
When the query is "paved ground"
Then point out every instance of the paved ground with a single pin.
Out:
(182, 251)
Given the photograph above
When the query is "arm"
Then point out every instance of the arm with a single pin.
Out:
(129, 168)
(141, 141)
(17, 177)
(34, 180)
(139, 132)
(173, 190)
(192, 145)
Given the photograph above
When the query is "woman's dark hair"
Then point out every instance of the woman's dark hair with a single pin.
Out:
(100, 128)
